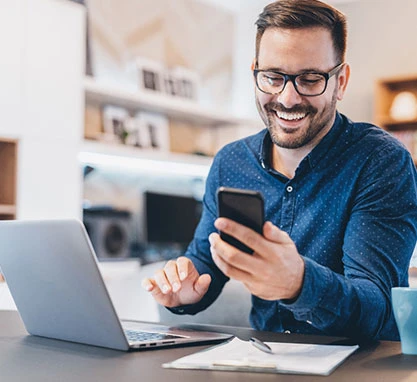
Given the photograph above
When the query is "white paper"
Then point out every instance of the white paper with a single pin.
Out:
(286, 358)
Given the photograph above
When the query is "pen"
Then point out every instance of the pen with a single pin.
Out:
(260, 345)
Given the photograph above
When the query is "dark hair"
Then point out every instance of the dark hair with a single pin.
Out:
(292, 14)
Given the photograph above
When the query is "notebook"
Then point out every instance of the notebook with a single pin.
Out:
(51, 270)
(286, 358)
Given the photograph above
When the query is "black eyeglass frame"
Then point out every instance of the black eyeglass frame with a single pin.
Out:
(293, 77)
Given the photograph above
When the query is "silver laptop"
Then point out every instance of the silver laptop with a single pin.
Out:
(52, 273)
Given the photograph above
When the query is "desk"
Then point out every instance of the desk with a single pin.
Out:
(30, 358)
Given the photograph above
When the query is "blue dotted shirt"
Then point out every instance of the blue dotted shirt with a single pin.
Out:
(351, 210)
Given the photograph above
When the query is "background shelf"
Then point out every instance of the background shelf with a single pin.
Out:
(173, 107)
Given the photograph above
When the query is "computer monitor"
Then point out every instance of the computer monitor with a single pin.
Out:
(171, 218)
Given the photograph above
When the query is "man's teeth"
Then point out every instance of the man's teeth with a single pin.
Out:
(290, 116)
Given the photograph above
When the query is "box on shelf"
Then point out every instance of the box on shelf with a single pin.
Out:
(93, 122)
(189, 139)
(8, 180)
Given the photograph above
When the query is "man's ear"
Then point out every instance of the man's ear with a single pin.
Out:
(253, 65)
(342, 81)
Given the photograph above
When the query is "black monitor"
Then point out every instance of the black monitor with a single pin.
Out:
(171, 218)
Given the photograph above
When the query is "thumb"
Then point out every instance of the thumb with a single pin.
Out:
(273, 233)
(202, 284)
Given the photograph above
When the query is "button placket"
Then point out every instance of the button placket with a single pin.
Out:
(288, 204)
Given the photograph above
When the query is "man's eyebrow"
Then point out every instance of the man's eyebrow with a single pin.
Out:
(303, 71)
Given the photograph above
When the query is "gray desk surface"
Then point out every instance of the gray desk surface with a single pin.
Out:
(29, 358)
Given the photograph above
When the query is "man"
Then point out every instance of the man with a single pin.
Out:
(340, 197)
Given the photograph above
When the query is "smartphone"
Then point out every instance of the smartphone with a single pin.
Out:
(245, 207)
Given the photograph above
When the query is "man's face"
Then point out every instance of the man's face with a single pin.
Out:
(295, 121)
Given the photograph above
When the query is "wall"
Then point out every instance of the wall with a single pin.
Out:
(181, 33)
(382, 43)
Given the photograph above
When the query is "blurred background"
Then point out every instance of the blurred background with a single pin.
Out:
(113, 109)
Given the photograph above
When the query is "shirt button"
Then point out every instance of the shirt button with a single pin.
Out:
(287, 332)
(289, 188)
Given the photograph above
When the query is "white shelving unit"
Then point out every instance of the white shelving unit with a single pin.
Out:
(130, 158)
(173, 107)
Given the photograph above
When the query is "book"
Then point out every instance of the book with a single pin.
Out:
(286, 358)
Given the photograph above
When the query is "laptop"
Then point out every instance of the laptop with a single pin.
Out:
(51, 270)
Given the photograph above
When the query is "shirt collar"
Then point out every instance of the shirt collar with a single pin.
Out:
(314, 156)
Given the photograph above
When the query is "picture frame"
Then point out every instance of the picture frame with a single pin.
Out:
(187, 82)
(114, 123)
(171, 84)
(153, 131)
(150, 74)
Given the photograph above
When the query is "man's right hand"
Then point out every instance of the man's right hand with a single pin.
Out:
(178, 283)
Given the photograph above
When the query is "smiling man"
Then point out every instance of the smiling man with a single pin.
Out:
(340, 197)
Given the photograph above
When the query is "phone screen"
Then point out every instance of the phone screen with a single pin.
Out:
(246, 207)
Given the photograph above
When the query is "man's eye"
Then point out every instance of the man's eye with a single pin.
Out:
(273, 80)
(310, 79)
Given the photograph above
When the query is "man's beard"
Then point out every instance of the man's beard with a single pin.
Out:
(318, 121)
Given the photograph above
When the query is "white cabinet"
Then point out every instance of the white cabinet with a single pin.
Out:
(12, 36)
(42, 102)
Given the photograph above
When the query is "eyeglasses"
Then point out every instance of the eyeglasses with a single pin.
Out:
(306, 84)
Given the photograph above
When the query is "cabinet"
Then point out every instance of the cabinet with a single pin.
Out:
(8, 160)
(396, 109)
(41, 104)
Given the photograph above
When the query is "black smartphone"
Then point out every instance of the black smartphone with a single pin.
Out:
(245, 207)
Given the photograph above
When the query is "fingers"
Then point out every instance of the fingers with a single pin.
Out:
(184, 268)
(246, 235)
(251, 238)
(202, 284)
(273, 233)
(231, 261)
(169, 278)
(178, 283)
(162, 282)
(148, 284)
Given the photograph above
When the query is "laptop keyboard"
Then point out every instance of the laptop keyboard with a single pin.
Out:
(137, 336)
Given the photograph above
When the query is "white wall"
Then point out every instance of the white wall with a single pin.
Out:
(382, 43)
(42, 102)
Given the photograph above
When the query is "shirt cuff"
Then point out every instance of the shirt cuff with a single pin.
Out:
(185, 309)
(316, 285)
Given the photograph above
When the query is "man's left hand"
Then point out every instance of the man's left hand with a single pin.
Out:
(274, 271)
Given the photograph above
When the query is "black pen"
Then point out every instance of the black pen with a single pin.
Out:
(260, 345)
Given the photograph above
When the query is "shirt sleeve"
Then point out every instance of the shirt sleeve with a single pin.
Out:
(199, 249)
(379, 240)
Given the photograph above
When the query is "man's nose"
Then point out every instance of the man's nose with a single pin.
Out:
(289, 96)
